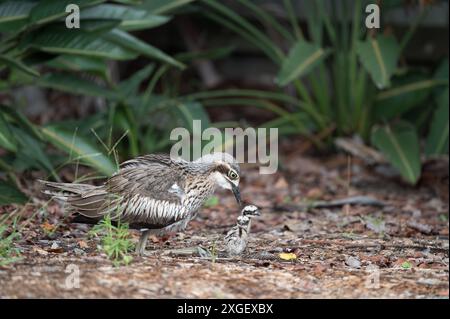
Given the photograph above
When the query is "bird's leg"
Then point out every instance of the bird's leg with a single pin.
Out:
(140, 247)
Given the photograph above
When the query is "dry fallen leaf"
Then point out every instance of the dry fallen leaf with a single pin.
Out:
(39, 251)
(314, 193)
(48, 227)
(281, 183)
(287, 256)
(82, 244)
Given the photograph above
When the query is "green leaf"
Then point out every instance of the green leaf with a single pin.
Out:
(130, 86)
(98, 26)
(437, 141)
(15, 10)
(32, 150)
(131, 18)
(79, 149)
(79, 64)
(379, 57)
(229, 18)
(130, 42)
(6, 137)
(406, 265)
(11, 195)
(75, 85)
(16, 64)
(78, 42)
(302, 58)
(406, 93)
(211, 201)
(21, 120)
(187, 112)
(49, 10)
(400, 145)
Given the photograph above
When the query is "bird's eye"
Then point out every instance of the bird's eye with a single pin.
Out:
(232, 175)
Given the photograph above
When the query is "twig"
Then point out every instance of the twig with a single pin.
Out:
(354, 200)
(425, 229)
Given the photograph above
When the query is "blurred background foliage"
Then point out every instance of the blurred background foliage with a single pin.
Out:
(103, 93)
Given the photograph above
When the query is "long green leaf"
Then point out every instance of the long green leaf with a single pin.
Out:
(437, 141)
(269, 19)
(77, 42)
(16, 64)
(190, 111)
(75, 85)
(302, 58)
(7, 140)
(379, 56)
(243, 27)
(131, 18)
(79, 64)
(404, 95)
(130, 42)
(33, 151)
(11, 195)
(130, 86)
(79, 149)
(15, 10)
(400, 145)
(21, 120)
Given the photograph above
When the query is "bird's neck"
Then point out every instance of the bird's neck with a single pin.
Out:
(249, 225)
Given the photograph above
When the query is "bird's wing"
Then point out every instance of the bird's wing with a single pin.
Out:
(152, 176)
(152, 188)
(231, 233)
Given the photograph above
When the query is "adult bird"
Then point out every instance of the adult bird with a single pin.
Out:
(156, 194)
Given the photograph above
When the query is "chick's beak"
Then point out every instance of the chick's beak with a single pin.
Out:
(236, 193)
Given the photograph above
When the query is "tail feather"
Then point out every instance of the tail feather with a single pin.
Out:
(74, 188)
(88, 200)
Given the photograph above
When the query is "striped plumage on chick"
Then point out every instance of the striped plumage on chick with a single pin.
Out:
(236, 239)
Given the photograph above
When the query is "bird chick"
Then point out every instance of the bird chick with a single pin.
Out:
(237, 237)
(250, 211)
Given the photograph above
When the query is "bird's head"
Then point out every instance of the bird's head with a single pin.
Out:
(251, 210)
(243, 221)
(224, 171)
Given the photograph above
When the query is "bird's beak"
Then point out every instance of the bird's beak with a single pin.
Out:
(236, 193)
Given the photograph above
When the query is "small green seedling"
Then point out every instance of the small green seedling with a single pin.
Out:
(8, 253)
(115, 240)
(406, 265)
(212, 202)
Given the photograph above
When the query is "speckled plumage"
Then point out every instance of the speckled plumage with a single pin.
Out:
(250, 211)
(237, 237)
(153, 193)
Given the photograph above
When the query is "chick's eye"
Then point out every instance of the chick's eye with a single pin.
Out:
(232, 175)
